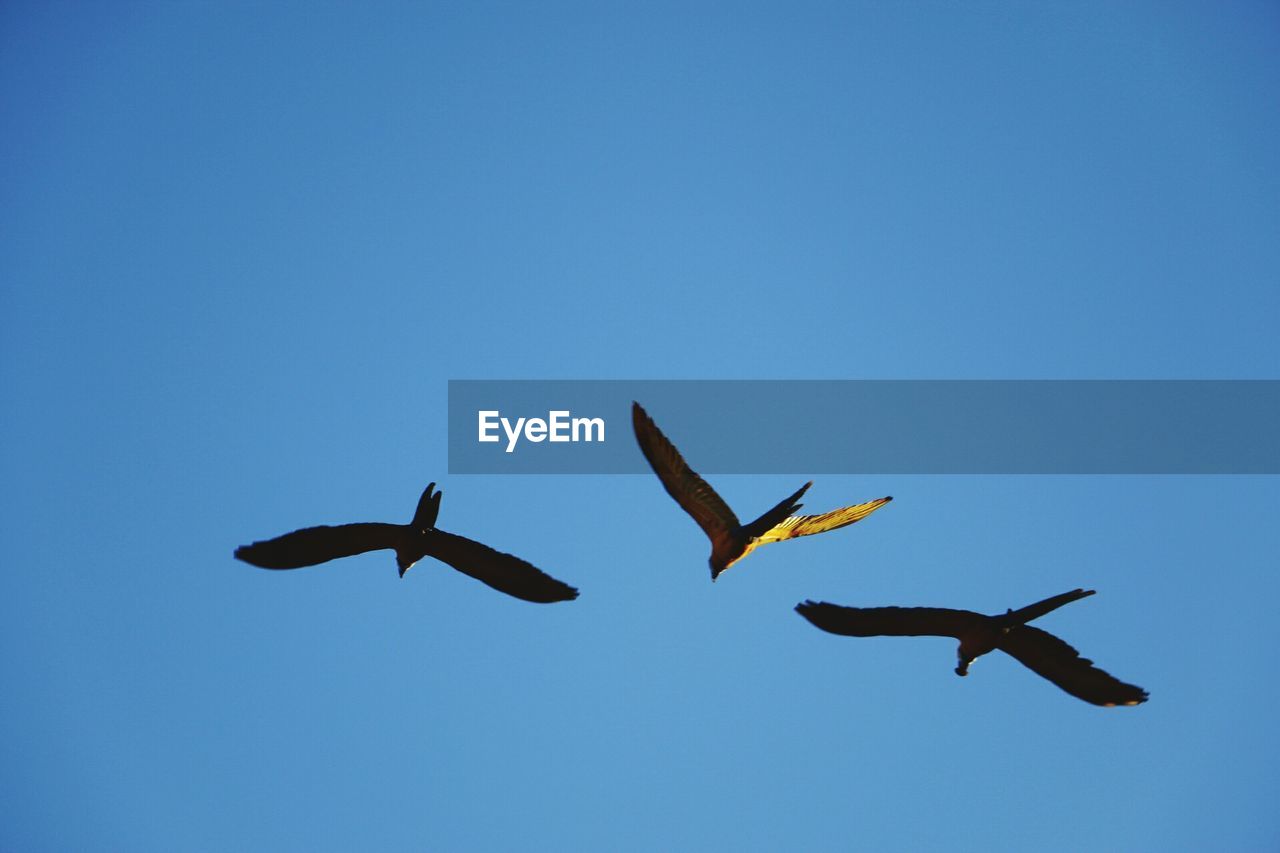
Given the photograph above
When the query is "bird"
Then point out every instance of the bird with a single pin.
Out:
(730, 539)
(411, 542)
(1039, 651)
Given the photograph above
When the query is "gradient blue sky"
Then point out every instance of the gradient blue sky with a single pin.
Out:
(244, 247)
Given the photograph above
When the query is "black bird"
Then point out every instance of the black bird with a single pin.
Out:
(730, 539)
(1038, 650)
(411, 542)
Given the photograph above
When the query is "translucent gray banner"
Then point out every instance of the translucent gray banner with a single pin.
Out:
(871, 426)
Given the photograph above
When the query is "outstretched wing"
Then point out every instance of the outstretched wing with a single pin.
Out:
(889, 621)
(682, 482)
(807, 525)
(1057, 661)
(1034, 611)
(313, 545)
(503, 572)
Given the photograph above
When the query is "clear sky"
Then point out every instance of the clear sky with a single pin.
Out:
(244, 246)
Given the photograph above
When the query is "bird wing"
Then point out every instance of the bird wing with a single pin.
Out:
(889, 621)
(1047, 655)
(1034, 611)
(682, 482)
(774, 517)
(503, 572)
(313, 545)
(807, 525)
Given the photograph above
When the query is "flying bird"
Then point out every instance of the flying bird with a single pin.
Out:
(730, 539)
(1038, 650)
(411, 542)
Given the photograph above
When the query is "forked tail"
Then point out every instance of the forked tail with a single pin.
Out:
(424, 518)
(412, 545)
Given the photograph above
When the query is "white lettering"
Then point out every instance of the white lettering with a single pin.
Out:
(513, 435)
(559, 426)
(486, 424)
(587, 424)
(558, 423)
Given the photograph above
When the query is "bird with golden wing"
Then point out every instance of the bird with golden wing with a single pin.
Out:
(730, 539)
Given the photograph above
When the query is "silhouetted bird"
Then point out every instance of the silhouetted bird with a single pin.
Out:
(411, 542)
(731, 540)
(1038, 650)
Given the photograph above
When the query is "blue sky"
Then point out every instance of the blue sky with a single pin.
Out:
(245, 248)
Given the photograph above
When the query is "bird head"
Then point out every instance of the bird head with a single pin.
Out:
(404, 561)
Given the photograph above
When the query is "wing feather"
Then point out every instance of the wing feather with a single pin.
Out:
(807, 525)
(889, 621)
(682, 482)
(1056, 660)
(503, 572)
(314, 545)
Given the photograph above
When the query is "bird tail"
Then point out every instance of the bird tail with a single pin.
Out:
(783, 510)
(1040, 608)
(424, 518)
(411, 547)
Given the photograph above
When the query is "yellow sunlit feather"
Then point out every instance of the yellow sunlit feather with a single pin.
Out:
(805, 525)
